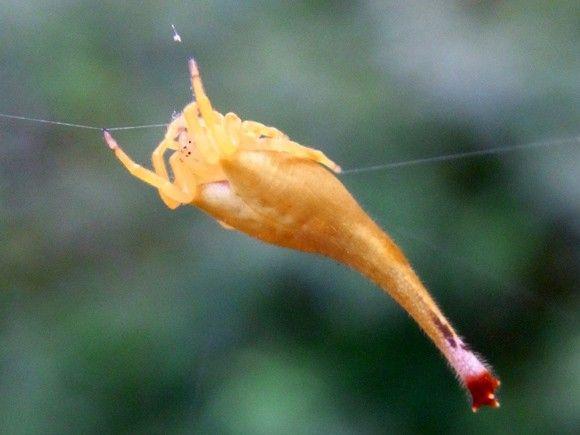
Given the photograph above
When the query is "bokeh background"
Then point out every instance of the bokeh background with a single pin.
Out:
(118, 315)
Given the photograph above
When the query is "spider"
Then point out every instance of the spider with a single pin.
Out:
(254, 179)
(201, 138)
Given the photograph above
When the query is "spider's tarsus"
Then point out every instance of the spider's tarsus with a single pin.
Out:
(109, 139)
(193, 69)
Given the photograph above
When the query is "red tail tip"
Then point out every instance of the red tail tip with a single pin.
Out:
(482, 388)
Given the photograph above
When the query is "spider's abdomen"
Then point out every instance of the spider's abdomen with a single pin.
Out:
(296, 203)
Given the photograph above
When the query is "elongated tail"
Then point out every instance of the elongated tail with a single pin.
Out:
(295, 203)
(378, 258)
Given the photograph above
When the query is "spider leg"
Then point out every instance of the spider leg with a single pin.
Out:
(184, 177)
(275, 140)
(203, 142)
(309, 153)
(158, 159)
(224, 144)
(233, 126)
(165, 186)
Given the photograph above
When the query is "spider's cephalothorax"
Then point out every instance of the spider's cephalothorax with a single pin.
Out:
(254, 179)
(202, 139)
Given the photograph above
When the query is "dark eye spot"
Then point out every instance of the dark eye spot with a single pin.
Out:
(263, 136)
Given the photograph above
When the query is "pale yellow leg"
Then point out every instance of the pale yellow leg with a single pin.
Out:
(310, 153)
(158, 156)
(169, 189)
(174, 128)
(203, 142)
(260, 129)
(233, 124)
(158, 160)
(274, 139)
(288, 146)
(184, 177)
(224, 144)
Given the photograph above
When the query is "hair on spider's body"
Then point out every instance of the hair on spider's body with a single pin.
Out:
(255, 179)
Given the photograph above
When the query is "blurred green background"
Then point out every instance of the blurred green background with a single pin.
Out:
(118, 315)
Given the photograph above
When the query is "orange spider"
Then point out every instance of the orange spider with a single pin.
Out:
(253, 178)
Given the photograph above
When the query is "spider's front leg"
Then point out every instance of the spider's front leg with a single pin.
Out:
(171, 191)
(216, 128)
(158, 158)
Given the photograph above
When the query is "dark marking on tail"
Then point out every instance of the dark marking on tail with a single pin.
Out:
(445, 330)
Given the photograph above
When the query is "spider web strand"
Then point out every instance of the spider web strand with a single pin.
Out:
(47, 121)
(81, 126)
(461, 155)
(393, 165)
